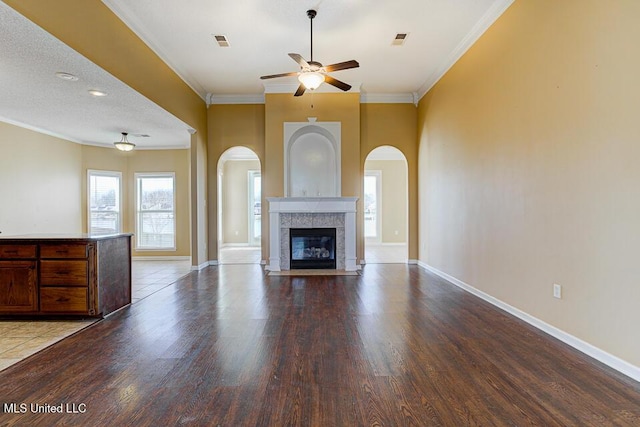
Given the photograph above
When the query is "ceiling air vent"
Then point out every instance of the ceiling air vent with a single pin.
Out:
(222, 41)
(399, 39)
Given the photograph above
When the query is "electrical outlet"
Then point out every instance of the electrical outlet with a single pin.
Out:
(557, 291)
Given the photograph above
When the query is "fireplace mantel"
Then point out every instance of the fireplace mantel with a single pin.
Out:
(304, 209)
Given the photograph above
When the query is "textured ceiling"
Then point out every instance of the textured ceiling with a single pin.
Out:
(32, 96)
(261, 33)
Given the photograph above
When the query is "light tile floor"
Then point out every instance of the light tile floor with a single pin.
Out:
(148, 277)
(240, 255)
(22, 338)
(376, 253)
(19, 339)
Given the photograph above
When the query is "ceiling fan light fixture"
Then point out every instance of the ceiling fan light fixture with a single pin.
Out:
(311, 80)
(124, 144)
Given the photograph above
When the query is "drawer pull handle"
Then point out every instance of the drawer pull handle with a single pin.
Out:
(63, 273)
(62, 299)
(62, 252)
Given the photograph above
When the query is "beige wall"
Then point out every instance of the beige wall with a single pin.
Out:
(235, 200)
(529, 149)
(231, 126)
(138, 161)
(326, 107)
(393, 199)
(395, 125)
(39, 185)
(95, 32)
(364, 127)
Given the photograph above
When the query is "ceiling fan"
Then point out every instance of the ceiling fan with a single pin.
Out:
(312, 73)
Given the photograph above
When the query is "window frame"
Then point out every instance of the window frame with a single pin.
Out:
(105, 173)
(138, 176)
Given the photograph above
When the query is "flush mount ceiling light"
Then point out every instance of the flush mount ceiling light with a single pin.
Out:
(123, 144)
(98, 93)
(66, 76)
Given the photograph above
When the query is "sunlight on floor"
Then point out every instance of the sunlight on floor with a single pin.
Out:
(239, 255)
(385, 253)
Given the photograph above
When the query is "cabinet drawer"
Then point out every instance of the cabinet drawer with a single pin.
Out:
(63, 251)
(68, 273)
(17, 251)
(63, 299)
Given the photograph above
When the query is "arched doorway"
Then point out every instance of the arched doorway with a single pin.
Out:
(239, 207)
(386, 206)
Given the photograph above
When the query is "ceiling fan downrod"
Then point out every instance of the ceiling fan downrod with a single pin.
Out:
(311, 14)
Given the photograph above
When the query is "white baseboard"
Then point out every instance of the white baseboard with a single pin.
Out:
(413, 261)
(201, 266)
(608, 359)
(213, 262)
(161, 258)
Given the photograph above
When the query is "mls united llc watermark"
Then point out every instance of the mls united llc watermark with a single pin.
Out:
(44, 408)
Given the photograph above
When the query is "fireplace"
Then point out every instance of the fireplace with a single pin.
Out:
(287, 213)
(312, 248)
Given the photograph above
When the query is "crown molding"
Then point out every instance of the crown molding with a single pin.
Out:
(138, 28)
(494, 12)
(291, 88)
(388, 98)
(213, 99)
(39, 130)
(365, 98)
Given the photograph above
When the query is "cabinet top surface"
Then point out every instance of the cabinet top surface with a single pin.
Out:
(80, 237)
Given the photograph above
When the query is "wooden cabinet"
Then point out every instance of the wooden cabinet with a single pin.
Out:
(53, 276)
(18, 286)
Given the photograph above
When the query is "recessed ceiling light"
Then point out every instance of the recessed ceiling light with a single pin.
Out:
(399, 39)
(141, 135)
(222, 41)
(66, 76)
(96, 92)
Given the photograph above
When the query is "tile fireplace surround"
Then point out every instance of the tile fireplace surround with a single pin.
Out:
(312, 212)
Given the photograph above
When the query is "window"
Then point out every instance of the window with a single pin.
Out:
(255, 207)
(104, 202)
(155, 213)
(372, 188)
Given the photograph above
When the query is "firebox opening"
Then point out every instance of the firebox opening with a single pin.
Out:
(313, 248)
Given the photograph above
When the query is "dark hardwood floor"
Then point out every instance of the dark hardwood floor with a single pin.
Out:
(396, 346)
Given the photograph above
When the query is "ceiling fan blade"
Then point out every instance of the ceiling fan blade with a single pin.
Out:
(273, 76)
(337, 83)
(342, 66)
(300, 90)
(299, 59)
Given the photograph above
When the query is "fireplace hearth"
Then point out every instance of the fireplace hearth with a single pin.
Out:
(312, 248)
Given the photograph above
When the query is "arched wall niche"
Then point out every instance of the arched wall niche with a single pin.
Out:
(312, 159)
